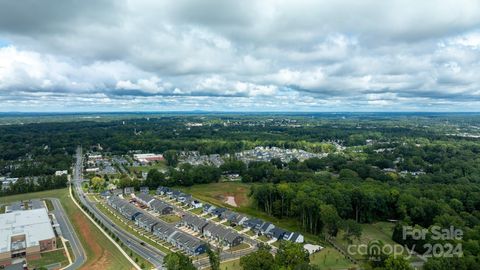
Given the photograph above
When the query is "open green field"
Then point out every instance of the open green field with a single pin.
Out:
(101, 253)
(216, 193)
(231, 265)
(329, 258)
(48, 258)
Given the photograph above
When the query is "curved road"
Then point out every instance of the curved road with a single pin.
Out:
(150, 253)
(69, 233)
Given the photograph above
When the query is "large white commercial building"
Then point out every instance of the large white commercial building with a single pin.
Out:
(25, 234)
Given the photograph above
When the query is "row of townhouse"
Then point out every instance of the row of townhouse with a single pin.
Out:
(219, 233)
(156, 205)
(117, 192)
(167, 232)
(266, 228)
(256, 225)
(179, 196)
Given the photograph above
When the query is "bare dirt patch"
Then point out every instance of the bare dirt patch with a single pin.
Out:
(231, 201)
(100, 259)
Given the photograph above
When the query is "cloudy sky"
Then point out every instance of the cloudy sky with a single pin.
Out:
(298, 55)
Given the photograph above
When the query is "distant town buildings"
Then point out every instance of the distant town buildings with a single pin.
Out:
(60, 173)
(147, 158)
(259, 153)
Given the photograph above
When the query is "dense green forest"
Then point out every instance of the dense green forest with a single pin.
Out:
(417, 169)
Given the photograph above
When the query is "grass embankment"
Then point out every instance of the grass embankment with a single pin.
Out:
(231, 265)
(49, 258)
(49, 205)
(101, 253)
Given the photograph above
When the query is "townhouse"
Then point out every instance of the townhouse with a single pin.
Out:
(194, 223)
(144, 199)
(161, 207)
(222, 235)
(191, 245)
(167, 232)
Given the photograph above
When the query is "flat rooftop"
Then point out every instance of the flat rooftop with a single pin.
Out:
(34, 224)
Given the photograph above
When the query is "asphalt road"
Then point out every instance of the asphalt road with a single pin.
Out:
(150, 253)
(69, 233)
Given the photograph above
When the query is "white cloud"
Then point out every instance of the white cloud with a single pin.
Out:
(309, 53)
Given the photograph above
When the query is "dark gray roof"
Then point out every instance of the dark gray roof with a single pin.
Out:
(277, 232)
(218, 211)
(221, 232)
(187, 240)
(147, 219)
(253, 222)
(116, 201)
(164, 228)
(194, 221)
(144, 197)
(231, 236)
(159, 206)
(265, 226)
(130, 210)
(238, 218)
(294, 237)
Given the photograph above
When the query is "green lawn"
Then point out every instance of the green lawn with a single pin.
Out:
(47, 258)
(170, 218)
(276, 243)
(96, 245)
(329, 258)
(197, 211)
(250, 232)
(263, 238)
(231, 265)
